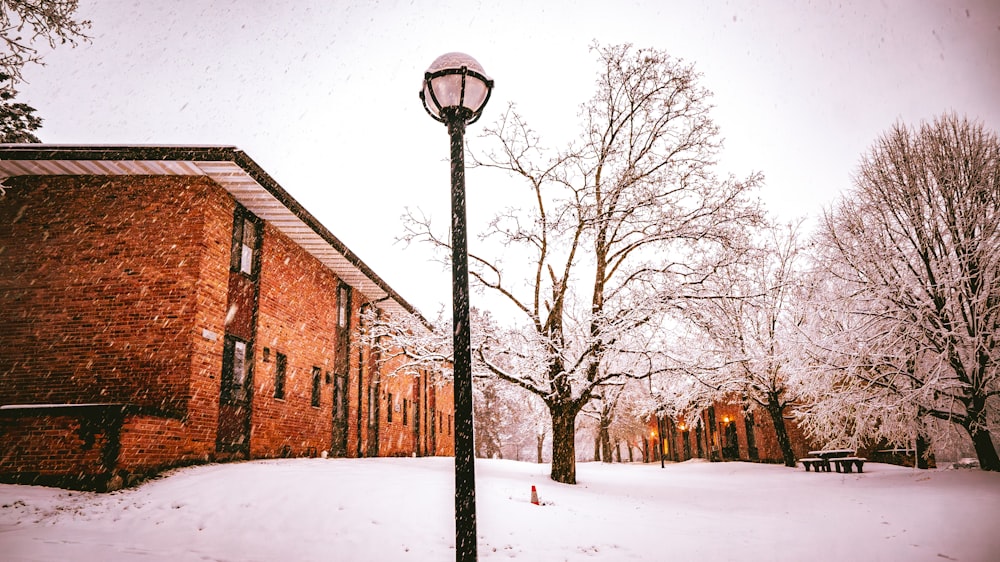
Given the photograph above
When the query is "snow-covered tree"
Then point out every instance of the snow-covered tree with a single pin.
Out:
(857, 394)
(615, 227)
(913, 252)
(741, 341)
(629, 424)
(509, 422)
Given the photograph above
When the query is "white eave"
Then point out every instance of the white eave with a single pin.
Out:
(230, 168)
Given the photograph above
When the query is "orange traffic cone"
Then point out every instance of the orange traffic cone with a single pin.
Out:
(534, 496)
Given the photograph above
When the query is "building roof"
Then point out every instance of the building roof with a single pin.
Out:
(231, 168)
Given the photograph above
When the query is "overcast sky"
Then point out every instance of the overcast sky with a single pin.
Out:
(323, 95)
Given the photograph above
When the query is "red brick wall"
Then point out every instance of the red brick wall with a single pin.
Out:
(767, 441)
(210, 295)
(53, 449)
(764, 435)
(400, 439)
(296, 317)
(107, 288)
(97, 287)
(113, 289)
(445, 410)
(148, 443)
(396, 436)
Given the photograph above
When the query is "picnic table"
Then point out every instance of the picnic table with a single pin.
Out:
(843, 460)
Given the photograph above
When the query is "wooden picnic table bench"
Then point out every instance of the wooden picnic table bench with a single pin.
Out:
(846, 464)
(843, 460)
(819, 464)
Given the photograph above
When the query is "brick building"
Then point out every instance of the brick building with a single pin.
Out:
(723, 431)
(169, 305)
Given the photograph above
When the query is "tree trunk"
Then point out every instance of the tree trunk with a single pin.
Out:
(777, 413)
(597, 445)
(987, 453)
(605, 437)
(618, 451)
(923, 444)
(540, 442)
(563, 443)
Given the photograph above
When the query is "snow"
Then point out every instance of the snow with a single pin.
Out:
(402, 509)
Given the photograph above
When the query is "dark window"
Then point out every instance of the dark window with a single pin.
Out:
(449, 424)
(280, 364)
(235, 368)
(388, 409)
(440, 423)
(406, 404)
(317, 381)
(343, 329)
(246, 243)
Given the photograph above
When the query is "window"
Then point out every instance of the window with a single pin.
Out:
(343, 304)
(343, 335)
(239, 363)
(388, 408)
(317, 381)
(246, 242)
(440, 423)
(281, 363)
(449, 424)
(235, 368)
(406, 403)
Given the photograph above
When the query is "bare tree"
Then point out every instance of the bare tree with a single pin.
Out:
(615, 228)
(24, 22)
(915, 251)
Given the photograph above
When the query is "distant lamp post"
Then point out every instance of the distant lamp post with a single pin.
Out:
(659, 420)
(659, 425)
(455, 91)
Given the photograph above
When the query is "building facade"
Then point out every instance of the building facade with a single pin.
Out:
(161, 306)
(722, 432)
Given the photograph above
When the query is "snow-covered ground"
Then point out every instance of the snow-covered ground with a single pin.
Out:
(402, 509)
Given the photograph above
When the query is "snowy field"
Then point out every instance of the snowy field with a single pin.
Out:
(402, 509)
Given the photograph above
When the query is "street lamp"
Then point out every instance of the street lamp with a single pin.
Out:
(455, 91)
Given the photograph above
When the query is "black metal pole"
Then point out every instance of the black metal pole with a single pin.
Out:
(465, 467)
(659, 425)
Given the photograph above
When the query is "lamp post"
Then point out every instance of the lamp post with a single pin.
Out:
(659, 425)
(455, 91)
(659, 420)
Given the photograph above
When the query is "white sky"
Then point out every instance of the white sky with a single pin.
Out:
(323, 95)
